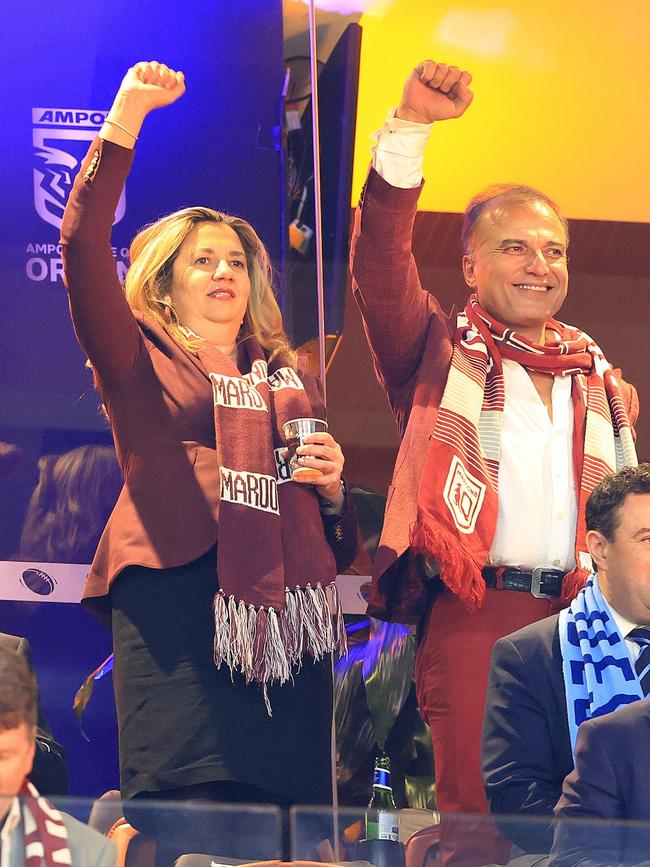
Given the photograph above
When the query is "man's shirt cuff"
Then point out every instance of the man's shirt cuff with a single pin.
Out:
(398, 154)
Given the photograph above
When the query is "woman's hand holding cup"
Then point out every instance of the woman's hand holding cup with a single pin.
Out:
(315, 458)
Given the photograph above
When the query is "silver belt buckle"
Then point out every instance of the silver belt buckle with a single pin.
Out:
(536, 583)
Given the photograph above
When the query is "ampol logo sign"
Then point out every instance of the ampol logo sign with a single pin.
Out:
(60, 137)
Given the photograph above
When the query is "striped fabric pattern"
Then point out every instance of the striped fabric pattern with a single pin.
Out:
(46, 837)
(597, 670)
(458, 497)
(641, 635)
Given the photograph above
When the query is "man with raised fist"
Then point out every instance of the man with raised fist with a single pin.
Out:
(508, 419)
(215, 577)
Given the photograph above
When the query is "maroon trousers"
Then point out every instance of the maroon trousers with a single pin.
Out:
(451, 677)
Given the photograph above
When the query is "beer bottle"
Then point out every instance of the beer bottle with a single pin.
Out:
(381, 815)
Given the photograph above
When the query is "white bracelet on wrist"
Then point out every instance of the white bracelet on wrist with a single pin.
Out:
(123, 128)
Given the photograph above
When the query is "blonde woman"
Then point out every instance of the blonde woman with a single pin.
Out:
(215, 568)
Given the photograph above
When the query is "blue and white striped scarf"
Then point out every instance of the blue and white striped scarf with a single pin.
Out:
(599, 675)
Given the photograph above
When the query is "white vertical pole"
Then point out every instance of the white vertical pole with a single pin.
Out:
(318, 217)
(318, 237)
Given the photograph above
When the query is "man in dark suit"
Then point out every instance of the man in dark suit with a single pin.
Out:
(610, 781)
(49, 773)
(526, 748)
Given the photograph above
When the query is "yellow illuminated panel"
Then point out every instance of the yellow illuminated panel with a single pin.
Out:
(561, 98)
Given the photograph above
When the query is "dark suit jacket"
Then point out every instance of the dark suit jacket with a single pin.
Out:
(526, 749)
(160, 402)
(611, 781)
(410, 340)
(50, 772)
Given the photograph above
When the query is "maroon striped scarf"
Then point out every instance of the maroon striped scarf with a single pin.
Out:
(45, 834)
(276, 571)
(458, 495)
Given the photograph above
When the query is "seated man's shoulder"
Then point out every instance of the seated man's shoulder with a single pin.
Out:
(634, 714)
(88, 848)
(541, 634)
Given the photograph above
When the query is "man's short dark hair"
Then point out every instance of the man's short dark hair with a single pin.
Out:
(18, 691)
(605, 501)
(513, 194)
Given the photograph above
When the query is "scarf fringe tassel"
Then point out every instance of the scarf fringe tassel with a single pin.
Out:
(460, 574)
(266, 645)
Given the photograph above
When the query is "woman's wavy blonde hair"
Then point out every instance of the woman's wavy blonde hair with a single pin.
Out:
(69, 507)
(149, 280)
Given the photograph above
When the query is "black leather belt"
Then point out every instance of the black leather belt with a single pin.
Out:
(541, 583)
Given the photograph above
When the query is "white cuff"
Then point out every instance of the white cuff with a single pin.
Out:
(398, 154)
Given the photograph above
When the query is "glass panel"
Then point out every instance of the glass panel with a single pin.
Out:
(241, 141)
(423, 836)
(194, 835)
(219, 146)
(169, 833)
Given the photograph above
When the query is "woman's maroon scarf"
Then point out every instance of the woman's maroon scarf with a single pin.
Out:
(277, 600)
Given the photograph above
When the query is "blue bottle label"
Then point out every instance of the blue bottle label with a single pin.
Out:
(381, 778)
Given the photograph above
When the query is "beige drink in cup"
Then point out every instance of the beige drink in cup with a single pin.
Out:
(294, 432)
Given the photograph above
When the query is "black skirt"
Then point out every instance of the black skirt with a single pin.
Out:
(183, 722)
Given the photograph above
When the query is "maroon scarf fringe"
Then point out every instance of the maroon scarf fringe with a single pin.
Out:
(266, 645)
(460, 574)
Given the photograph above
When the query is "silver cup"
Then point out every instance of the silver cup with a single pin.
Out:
(295, 431)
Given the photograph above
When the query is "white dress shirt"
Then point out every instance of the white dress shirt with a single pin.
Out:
(11, 822)
(624, 627)
(538, 507)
